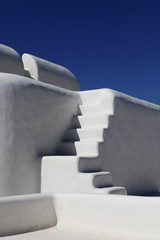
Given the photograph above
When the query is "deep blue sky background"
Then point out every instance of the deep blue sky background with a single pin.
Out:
(106, 44)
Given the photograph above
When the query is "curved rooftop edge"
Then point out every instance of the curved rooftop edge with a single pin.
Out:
(51, 73)
(10, 61)
(14, 79)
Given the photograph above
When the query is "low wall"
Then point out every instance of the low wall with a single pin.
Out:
(20, 214)
(34, 116)
(131, 149)
(109, 216)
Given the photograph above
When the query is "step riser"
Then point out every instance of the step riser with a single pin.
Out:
(83, 135)
(111, 190)
(118, 191)
(89, 165)
(92, 109)
(99, 97)
(63, 149)
(78, 148)
(94, 121)
(52, 181)
(102, 180)
(91, 97)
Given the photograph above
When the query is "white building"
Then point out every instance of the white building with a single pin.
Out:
(80, 165)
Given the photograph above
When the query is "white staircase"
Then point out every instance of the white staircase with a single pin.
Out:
(76, 167)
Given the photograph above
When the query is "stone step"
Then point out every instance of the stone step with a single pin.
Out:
(83, 149)
(102, 179)
(60, 173)
(84, 134)
(89, 164)
(91, 97)
(112, 190)
(90, 121)
(89, 109)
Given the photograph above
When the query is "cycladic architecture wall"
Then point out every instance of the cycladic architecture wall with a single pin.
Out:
(29, 113)
(71, 160)
(131, 150)
(48, 72)
(10, 61)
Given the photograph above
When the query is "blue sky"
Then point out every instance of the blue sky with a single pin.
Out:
(106, 44)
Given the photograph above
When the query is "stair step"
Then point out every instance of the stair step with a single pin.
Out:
(82, 164)
(89, 164)
(84, 134)
(102, 179)
(102, 120)
(83, 149)
(87, 109)
(112, 190)
(71, 180)
(92, 97)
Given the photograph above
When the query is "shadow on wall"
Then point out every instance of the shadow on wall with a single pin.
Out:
(33, 119)
(131, 150)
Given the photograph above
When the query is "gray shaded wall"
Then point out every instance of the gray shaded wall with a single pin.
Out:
(33, 118)
(129, 148)
(131, 151)
(10, 61)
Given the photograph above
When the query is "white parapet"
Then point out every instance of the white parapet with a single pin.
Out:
(48, 72)
(96, 216)
(10, 61)
(26, 213)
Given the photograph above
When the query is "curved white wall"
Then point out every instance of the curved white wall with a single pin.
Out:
(34, 116)
(10, 61)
